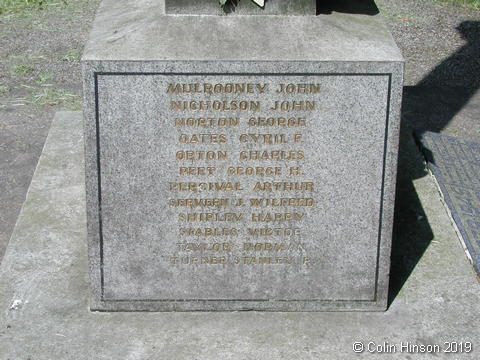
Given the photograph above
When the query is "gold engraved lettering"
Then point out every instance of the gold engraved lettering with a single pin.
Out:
(268, 231)
(186, 155)
(196, 171)
(205, 217)
(276, 217)
(193, 203)
(238, 202)
(254, 171)
(277, 122)
(283, 186)
(214, 116)
(208, 186)
(209, 122)
(217, 247)
(208, 232)
(186, 260)
(294, 171)
(203, 139)
(210, 89)
(294, 106)
(276, 155)
(268, 139)
(298, 89)
(264, 247)
(215, 105)
(263, 260)
(273, 246)
(296, 202)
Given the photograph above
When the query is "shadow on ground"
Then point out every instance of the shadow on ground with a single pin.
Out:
(411, 231)
(434, 102)
(365, 7)
(429, 106)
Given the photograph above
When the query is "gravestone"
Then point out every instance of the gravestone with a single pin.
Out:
(239, 162)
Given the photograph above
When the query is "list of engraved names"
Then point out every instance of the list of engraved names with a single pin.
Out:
(240, 193)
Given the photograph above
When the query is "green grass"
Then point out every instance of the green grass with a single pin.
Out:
(8, 6)
(24, 65)
(51, 96)
(23, 69)
(72, 56)
(4, 90)
(43, 77)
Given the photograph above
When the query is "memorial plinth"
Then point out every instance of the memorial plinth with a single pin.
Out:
(239, 162)
(243, 7)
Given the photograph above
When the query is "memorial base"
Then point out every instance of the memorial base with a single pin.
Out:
(227, 112)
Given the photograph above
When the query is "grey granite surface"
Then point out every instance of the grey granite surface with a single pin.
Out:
(136, 31)
(242, 7)
(151, 249)
(44, 287)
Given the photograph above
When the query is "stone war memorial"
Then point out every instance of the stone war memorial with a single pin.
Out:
(240, 157)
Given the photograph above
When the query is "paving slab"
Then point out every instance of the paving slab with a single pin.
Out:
(21, 141)
(455, 164)
(44, 289)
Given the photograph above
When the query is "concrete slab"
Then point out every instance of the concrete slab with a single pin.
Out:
(44, 287)
(22, 137)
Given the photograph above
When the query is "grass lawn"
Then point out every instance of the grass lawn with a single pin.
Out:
(42, 41)
(16, 5)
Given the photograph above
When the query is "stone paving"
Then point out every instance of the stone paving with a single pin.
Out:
(44, 287)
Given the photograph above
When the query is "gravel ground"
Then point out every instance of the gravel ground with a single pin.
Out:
(441, 46)
(440, 43)
(40, 74)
